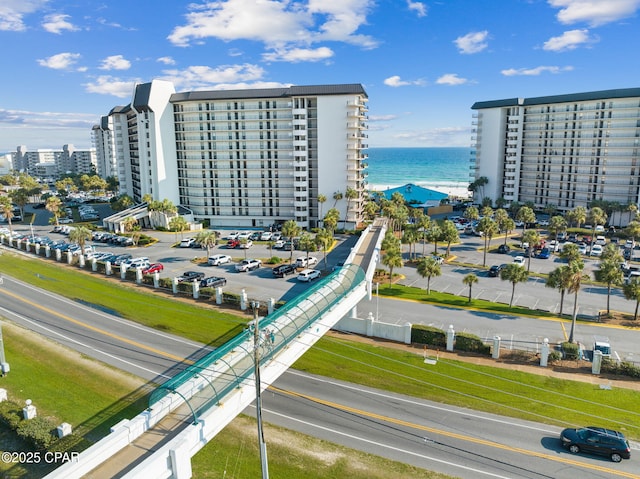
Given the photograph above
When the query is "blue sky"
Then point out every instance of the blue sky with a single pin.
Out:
(422, 63)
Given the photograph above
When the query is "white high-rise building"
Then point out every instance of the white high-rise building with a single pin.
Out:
(566, 150)
(244, 157)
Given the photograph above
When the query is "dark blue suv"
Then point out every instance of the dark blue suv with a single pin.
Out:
(597, 440)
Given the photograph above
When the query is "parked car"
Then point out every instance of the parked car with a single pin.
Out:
(233, 243)
(231, 235)
(118, 260)
(218, 259)
(437, 259)
(265, 236)
(494, 271)
(305, 261)
(519, 260)
(544, 253)
(308, 275)
(596, 250)
(279, 244)
(187, 243)
(601, 240)
(246, 244)
(596, 440)
(135, 263)
(212, 282)
(504, 249)
(248, 265)
(282, 270)
(191, 276)
(153, 268)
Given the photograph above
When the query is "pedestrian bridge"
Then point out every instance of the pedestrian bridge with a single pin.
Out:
(189, 409)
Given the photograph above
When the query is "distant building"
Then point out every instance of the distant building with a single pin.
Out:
(566, 150)
(45, 162)
(242, 158)
(416, 195)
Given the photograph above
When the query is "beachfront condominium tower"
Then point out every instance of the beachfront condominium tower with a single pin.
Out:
(246, 158)
(565, 150)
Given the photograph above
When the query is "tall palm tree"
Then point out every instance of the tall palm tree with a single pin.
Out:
(576, 278)
(610, 274)
(559, 279)
(532, 237)
(290, 229)
(337, 196)
(596, 217)
(321, 200)
(54, 206)
(428, 268)
(324, 240)
(392, 258)
(350, 194)
(632, 291)
(488, 227)
(80, 235)
(514, 273)
(469, 280)
(526, 215)
(207, 239)
(6, 209)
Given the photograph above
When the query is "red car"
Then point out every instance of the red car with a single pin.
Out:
(153, 268)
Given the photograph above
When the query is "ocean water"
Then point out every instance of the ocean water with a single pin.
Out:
(441, 169)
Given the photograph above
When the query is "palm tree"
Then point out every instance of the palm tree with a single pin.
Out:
(570, 252)
(433, 235)
(559, 279)
(488, 227)
(449, 234)
(6, 209)
(324, 240)
(350, 195)
(80, 235)
(321, 200)
(428, 268)
(514, 273)
(611, 274)
(632, 291)
(178, 224)
(557, 224)
(526, 215)
(290, 229)
(392, 258)
(207, 239)
(337, 196)
(331, 220)
(576, 277)
(596, 216)
(54, 205)
(578, 215)
(532, 237)
(470, 279)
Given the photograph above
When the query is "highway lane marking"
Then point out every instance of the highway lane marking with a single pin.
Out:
(386, 446)
(454, 435)
(97, 330)
(92, 348)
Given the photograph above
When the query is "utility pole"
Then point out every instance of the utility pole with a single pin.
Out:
(256, 358)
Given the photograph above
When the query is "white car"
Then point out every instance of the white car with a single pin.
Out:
(230, 236)
(246, 244)
(279, 244)
(244, 235)
(187, 242)
(305, 261)
(219, 259)
(596, 250)
(308, 275)
(265, 236)
(248, 265)
(519, 260)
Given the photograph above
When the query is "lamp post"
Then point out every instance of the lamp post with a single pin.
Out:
(256, 357)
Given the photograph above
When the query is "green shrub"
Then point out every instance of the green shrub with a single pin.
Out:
(471, 343)
(37, 431)
(570, 350)
(422, 334)
(231, 298)
(69, 443)
(554, 356)
(623, 368)
(10, 414)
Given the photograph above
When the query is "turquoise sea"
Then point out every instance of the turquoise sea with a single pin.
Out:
(442, 169)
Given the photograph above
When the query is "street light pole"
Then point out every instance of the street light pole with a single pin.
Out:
(256, 357)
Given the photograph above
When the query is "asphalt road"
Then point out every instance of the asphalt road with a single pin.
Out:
(428, 435)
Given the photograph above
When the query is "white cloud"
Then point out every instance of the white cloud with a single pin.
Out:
(594, 12)
(57, 23)
(115, 62)
(473, 42)
(396, 81)
(275, 23)
(61, 61)
(166, 60)
(451, 79)
(12, 13)
(419, 7)
(41, 129)
(569, 40)
(204, 77)
(297, 55)
(374, 118)
(535, 71)
(108, 85)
